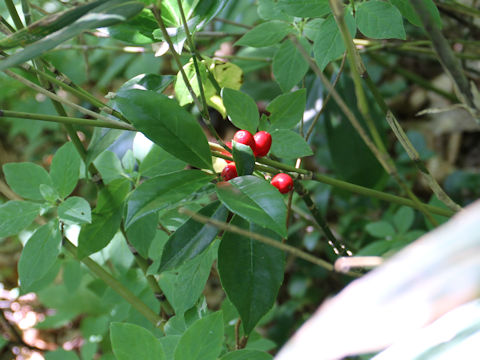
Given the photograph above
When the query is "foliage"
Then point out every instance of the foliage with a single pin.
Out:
(133, 234)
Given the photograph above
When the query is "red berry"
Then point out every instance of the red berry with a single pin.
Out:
(245, 137)
(282, 182)
(229, 171)
(263, 141)
(225, 152)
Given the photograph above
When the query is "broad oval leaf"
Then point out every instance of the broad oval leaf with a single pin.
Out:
(380, 20)
(287, 144)
(142, 233)
(286, 110)
(410, 14)
(251, 272)
(130, 342)
(243, 158)
(288, 65)
(39, 254)
(191, 238)
(65, 169)
(162, 191)
(241, 109)
(167, 124)
(203, 340)
(75, 210)
(16, 216)
(25, 179)
(403, 219)
(304, 8)
(266, 34)
(255, 200)
(246, 354)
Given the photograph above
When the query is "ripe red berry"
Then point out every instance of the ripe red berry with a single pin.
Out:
(263, 141)
(245, 137)
(229, 171)
(228, 153)
(282, 182)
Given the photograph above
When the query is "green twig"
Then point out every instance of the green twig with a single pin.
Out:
(67, 120)
(230, 22)
(117, 286)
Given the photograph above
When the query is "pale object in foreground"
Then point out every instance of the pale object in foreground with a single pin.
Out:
(430, 277)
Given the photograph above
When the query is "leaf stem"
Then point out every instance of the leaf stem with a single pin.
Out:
(117, 286)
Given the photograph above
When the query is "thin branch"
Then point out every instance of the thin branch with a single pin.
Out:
(230, 22)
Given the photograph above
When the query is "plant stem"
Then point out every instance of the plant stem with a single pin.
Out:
(264, 239)
(26, 12)
(230, 22)
(14, 14)
(67, 120)
(117, 286)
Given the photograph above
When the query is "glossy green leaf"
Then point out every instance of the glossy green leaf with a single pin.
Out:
(159, 162)
(241, 109)
(162, 191)
(65, 169)
(16, 216)
(185, 284)
(141, 233)
(266, 34)
(286, 110)
(154, 82)
(328, 42)
(25, 179)
(39, 254)
(251, 272)
(109, 166)
(243, 158)
(132, 342)
(75, 210)
(49, 193)
(403, 219)
(137, 30)
(61, 354)
(287, 144)
(289, 67)
(167, 124)
(106, 218)
(380, 229)
(305, 8)
(203, 340)
(106, 14)
(192, 238)
(255, 200)
(380, 20)
(246, 354)
(409, 13)
(47, 25)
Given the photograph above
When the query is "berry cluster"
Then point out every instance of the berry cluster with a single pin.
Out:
(260, 144)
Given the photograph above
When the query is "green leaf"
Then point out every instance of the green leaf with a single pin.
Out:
(241, 109)
(305, 8)
(109, 166)
(39, 254)
(410, 14)
(16, 216)
(72, 274)
(380, 20)
(132, 342)
(75, 210)
(403, 219)
(376, 248)
(289, 67)
(266, 34)
(251, 272)
(185, 284)
(287, 144)
(141, 233)
(128, 161)
(203, 340)
(106, 218)
(269, 10)
(286, 110)
(243, 158)
(137, 30)
(25, 178)
(167, 124)
(246, 354)
(106, 14)
(154, 82)
(162, 191)
(65, 169)
(328, 42)
(192, 238)
(311, 28)
(48, 193)
(255, 200)
(159, 162)
(380, 229)
(61, 354)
